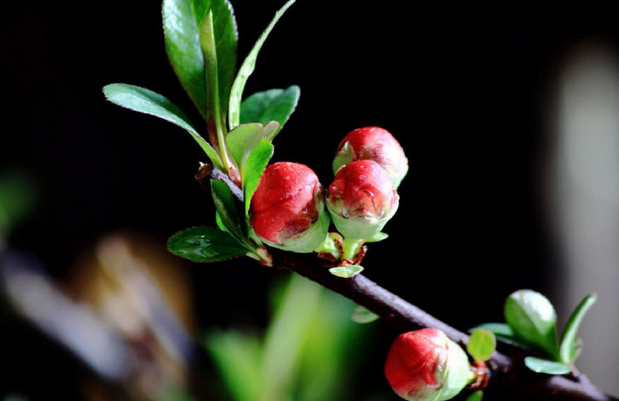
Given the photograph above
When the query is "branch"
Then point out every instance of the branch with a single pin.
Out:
(506, 365)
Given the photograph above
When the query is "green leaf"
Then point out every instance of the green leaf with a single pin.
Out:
(533, 319)
(475, 396)
(481, 345)
(376, 237)
(228, 212)
(255, 165)
(346, 271)
(570, 346)
(205, 244)
(181, 25)
(146, 101)
(242, 140)
(363, 315)
(539, 365)
(272, 105)
(247, 68)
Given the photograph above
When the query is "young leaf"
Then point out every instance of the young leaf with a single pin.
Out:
(346, 271)
(533, 318)
(363, 315)
(247, 68)
(503, 332)
(481, 345)
(475, 396)
(255, 165)
(569, 343)
(205, 244)
(272, 105)
(181, 26)
(228, 212)
(242, 140)
(539, 365)
(226, 37)
(146, 101)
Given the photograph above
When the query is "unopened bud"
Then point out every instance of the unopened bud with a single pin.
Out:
(425, 365)
(287, 209)
(373, 143)
(362, 198)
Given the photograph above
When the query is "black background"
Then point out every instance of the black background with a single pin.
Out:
(461, 87)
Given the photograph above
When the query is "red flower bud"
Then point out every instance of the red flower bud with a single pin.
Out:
(373, 143)
(287, 209)
(425, 365)
(361, 199)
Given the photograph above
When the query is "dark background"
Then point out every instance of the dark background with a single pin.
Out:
(461, 87)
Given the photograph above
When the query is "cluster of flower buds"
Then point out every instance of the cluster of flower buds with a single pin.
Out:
(425, 365)
(287, 209)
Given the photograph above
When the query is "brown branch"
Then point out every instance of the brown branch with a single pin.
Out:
(506, 365)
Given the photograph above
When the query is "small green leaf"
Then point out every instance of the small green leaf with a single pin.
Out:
(481, 345)
(272, 105)
(570, 346)
(363, 315)
(205, 244)
(247, 68)
(346, 271)
(146, 101)
(228, 212)
(242, 140)
(181, 25)
(539, 365)
(255, 165)
(533, 319)
(475, 396)
(503, 332)
(377, 237)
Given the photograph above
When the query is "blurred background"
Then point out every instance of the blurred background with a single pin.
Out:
(508, 112)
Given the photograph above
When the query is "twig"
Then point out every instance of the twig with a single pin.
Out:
(506, 365)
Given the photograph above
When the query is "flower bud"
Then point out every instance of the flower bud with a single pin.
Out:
(361, 199)
(287, 209)
(373, 143)
(425, 365)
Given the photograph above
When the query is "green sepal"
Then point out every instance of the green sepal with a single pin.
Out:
(271, 105)
(247, 68)
(146, 101)
(205, 244)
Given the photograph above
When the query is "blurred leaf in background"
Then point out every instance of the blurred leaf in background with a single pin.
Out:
(306, 353)
(17, 198)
